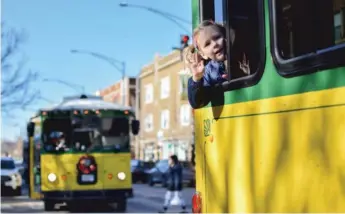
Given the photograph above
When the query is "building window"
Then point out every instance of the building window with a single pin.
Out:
(181, 86)
(184, 75)
(149, 123)
(165, 119)
(165, 87)
(149, 93)
(185, 113)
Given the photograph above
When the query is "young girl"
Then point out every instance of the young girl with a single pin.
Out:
(175, 184)
(208, 55)
(207, 61)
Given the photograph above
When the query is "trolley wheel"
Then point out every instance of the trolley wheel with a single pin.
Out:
(121, 205)
(49, 205)
(18, 191)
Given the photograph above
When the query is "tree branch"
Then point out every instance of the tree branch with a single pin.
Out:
(16, 82)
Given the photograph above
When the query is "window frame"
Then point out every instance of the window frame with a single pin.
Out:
(150, 120)
(183, 72)
(183, 112)
(252, 79)
(163, 112)
(341, 13)
(149, 86)
(319, 60)
(163, 83)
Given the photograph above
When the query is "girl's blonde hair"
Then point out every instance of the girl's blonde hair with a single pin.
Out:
(190, 51)
(202, 26)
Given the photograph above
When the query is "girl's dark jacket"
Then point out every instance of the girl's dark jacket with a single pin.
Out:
(174, 179)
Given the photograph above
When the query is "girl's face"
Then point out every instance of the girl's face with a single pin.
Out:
(211, 43)
(170, 161)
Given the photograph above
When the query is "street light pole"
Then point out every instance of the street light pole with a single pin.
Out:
(114, 62)
(166, 15)
(71, 85)
(46, 99)
(169, 16)
(125, 4)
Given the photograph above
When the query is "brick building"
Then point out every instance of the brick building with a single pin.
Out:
(114, 93)
(164, 112)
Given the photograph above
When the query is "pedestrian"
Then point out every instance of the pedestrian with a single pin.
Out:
(173, 196)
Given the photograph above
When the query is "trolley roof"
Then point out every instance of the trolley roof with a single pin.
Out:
(86, 102)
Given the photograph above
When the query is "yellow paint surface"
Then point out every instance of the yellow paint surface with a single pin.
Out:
(284, 154)
(66, 165)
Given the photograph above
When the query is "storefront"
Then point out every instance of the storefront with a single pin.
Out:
(176, 147)
(149, 152)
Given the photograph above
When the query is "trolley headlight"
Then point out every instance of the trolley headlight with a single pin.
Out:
(121, 176)
(51, 177)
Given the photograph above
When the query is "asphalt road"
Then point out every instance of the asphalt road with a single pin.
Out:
(146, 200)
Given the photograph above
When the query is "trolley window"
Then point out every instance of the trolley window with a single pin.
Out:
(307, 35)
(244, 22)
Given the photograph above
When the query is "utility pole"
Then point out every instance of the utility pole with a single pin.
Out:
(178, 22)
(137, 115)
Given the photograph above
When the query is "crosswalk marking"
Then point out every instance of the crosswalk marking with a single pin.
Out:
(6, 206)
(155, 205)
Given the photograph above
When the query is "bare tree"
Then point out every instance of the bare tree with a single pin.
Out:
(16, 82)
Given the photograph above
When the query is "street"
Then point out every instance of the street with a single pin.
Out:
(146, 200)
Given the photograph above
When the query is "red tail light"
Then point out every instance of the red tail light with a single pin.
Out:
(85, 165)
(196, 203)
(84, 169)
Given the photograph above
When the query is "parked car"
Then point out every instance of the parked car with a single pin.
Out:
(20, 167)
(11, 179)
(158, 174)
(188, 173)
(140, 170)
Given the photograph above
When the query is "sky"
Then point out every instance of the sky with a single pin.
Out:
(55, 27)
